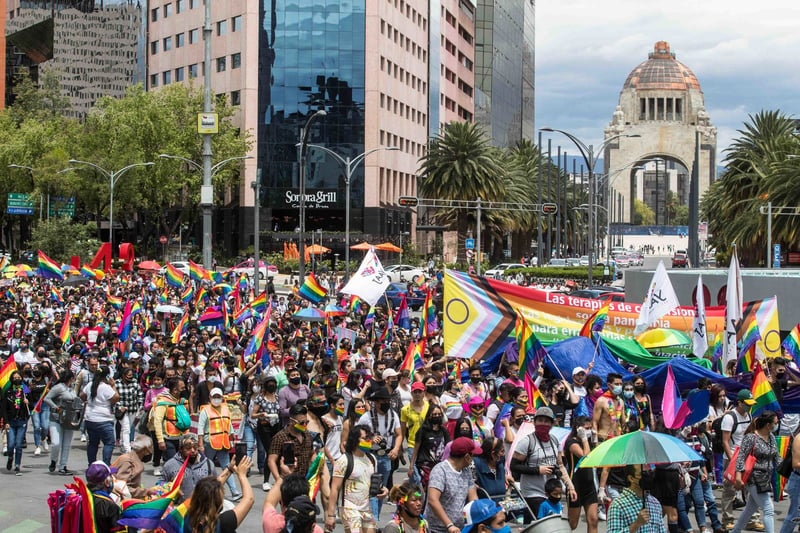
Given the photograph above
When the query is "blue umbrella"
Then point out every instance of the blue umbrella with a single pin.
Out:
(310, 314)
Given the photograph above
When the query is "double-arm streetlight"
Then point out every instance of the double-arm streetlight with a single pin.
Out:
(349, 166)
(197, 166)
(590, 158)
(113, 176)
(301, 248)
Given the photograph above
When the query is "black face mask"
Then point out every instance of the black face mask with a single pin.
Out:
(436, 420)
(320, 410)
(271, 387)
(147, 458)
(383, 406)
(639, 388)
(295, 380)
(430, 389)
(475, 380)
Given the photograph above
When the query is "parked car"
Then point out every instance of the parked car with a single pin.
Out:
(403, 272)
(584, 261)
(574, 261)
(637, 259)
(264, 270)
(622, 261)
(415, 299)
(679, 259)
(499, 271)
(557, 262)
(183, 266)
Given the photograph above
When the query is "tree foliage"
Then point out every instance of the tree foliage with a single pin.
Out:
(62, 238)
(642, 214)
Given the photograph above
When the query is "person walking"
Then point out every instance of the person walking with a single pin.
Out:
(266, 413)
(793, 486)
(215, 434)
(100, 396)
(733, 425)
(16, 412)
(62, 400)
(429, 444)
(450, 487)
(131, 400)
(40, 411)
(165, 419)
(761, 443)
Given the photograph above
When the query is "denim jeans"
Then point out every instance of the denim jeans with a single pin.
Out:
(96, 432)
(385, 469)
(718, 461)
(793, 489)
(41, 424)
(700, 496)
(60, 442)
(14, 438)
(253, 442)
(413, 473)
(223, 459)
(756, 501)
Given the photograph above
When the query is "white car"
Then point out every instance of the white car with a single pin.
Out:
(398, 273)
(183, 266)
(499, 271)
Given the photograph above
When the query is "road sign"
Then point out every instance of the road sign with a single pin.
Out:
(62, 207)
(163, 239)
(408, 201)
(549, 209)
(469, 244)
(19, 204)
(776, 256)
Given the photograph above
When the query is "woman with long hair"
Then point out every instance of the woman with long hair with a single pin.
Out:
(204, 514)
(717, 407)
(577, 447)
(643, 403)
(266, 414)
(408, 518)
(430, 442)
(760, 442)
(512, 423)
(60, 398)
(490, 468)
(352, 389)
(15, 412)
(100, 396)
(354, 411)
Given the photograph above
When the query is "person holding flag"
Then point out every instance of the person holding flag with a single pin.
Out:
(15, 412)
(40, 414)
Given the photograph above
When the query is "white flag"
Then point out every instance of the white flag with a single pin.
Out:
(661, 299)
(700, 338)
(733, 308)
(370, 281)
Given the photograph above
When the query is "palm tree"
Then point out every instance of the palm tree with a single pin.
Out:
(759, 169)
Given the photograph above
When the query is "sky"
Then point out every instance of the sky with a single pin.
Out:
(745, 54)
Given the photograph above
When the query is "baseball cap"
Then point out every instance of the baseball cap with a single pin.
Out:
(98, 471)
(215, 392)
(478, 511)
(545, 412)
(746, 396)
(464, 445)
(417, 386)
(389, 373)
(578, 370)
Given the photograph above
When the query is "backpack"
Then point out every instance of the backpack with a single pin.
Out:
(348, 470)
(716, 427)
(71, 414)
(183, 420)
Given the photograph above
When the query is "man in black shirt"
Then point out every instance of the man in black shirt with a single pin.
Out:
(100, 483)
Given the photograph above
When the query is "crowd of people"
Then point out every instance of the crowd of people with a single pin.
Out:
(194, 394)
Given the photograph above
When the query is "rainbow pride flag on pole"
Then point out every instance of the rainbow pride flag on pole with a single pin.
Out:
(763, 394)
(747, 354)
(314, 475)
(596, 322)
(792, 343)
(779, 482)
(413, 360)
(196, 272)
(175, 519)
(311, 290)
(180, 328)
(65, 333)
(48, 268)
(124, 329)
(5, 373)
(148, 514)
(174, 277)
(531, 351)
(430, 325)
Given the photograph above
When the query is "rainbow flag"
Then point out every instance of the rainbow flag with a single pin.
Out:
(535, 398)
(311, 290)
(763, 394)
(56, 296)
(196, 272)
(413, 360)
(148, 514)
(115, 301)
(716, 356)
(173, 276)
(779, 482)
(48, 268)
(259, 304)
(256, 344)
(430, 325)
(387, 336)
(11, 294)
(354, 305)
(531, 351)
(792, 343)
(180, 328)
(242, 283)
(124, 329)
(215, 276)
(314, 475)
(595, 322)
(88, 272)
(370, 318)
(65, 333)
(403, 316)
(201, 295)
(175, 519)
(5, 373)
(746, 360)
(38, 407)
(88, 524)
(188, 295)
(226, 320)
(211, 318)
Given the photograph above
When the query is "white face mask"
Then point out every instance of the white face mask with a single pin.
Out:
(212, 379)
(256, 389)
(181, 362)
(216, 402)
(369, 349)
(168, 363)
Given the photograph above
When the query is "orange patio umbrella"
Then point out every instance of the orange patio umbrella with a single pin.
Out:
(388, 247)
(363, 246)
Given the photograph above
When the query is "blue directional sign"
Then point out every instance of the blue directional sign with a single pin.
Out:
(469, 244)
(776, 256)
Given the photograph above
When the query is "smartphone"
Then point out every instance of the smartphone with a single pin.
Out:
(240, 450)
(288, 453)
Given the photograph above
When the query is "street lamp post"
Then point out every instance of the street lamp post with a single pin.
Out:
(302, 175)
(113, 176)
(349, 166)
(589, 157)
(609, 179)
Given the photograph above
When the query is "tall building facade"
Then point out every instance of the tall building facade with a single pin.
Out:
(93, 47)
(504, 69)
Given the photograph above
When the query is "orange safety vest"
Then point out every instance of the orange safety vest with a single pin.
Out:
(170, 419)
(219, 427)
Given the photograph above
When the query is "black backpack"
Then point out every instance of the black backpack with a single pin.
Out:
(716, 427)
(71, 414)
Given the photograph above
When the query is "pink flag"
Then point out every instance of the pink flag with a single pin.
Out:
(673, 408)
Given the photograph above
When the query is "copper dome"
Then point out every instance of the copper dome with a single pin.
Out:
(661, 71)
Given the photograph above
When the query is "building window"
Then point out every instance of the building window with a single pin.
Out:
(153, 80)
(192, 71)
(221, 64)
(236, 60)
(180, 6)
(192, 4)
(167, 10)
(167, 44)
(153, 14)
(167, 77)
(236, 23)
(154, 48)
(236, 97)
(222, 27)
(179, 40)
(193, 35)
(179, 74)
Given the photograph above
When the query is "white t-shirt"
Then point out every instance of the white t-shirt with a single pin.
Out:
(387, 425)
(334, 438)
(99, 409)
(355, 487)
(727, 425)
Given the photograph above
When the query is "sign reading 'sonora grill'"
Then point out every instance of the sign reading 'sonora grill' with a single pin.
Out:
(315, 200)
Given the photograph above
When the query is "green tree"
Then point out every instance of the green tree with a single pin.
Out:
(680, 217)
(642, 214)
(61, 238)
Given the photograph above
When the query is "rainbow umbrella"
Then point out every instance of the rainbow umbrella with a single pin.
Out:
(663, 338)
(24, 271)
(640, 448)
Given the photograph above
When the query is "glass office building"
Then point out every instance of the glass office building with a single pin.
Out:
(311, 57)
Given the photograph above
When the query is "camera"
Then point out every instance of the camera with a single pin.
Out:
(380, 448)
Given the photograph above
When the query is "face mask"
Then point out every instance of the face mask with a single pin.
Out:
(299, 427)
(616, 390)
(271, 387)
(365, 445)
(436, 420)
(628, 394)
(17, 382)
(369, 349)
(295, 380)
(320, 410)
(542, 431)
(477, 411)
(216, 402)
(430, 389)
(639, 388)
(212, 379)
(192, 459)
(256, 389)
(504, 529)
(578, 380)
(168, 363)
(360, 410)
(309, 364)
(383, 406)
(339, 412)
(147, 458)
(596, 394)
(181, 362)
(474, 380)
(554, 501)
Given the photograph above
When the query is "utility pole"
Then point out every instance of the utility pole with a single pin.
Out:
(257, 230)
(207, 189)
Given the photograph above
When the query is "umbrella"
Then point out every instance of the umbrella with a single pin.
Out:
(388, 247)
(74, 281)
(363, 246)
(662, 337)
(317, 249)
(334, 310)
(169, 309)
(24, 271)
(148, 265)
(640, 448)
(526, 429)
(310, 314)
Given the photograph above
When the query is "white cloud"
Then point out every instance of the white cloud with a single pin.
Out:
(743, 53)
